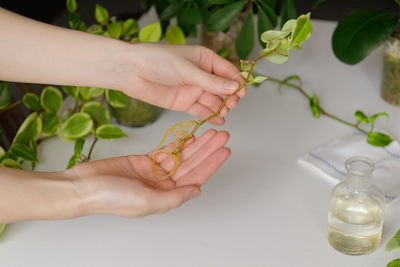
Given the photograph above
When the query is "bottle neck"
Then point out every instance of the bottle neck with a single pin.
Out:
(359, 171)
(358, 181)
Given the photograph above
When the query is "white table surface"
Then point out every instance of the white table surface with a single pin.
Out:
(260, 209)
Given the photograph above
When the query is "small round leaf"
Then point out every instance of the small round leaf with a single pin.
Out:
(29, 130)
(109, 132)
(92, 109)
(50, 121)
(32, 101)
(117, 99)
(71, 6)
(175, 35)
(51, 99)
(150, 33)
(5, 95)
(379, 139)
(77, 126)
(101, 14)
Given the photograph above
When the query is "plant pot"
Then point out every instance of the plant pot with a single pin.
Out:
(218, 41)
(136, 114)
(390, 89)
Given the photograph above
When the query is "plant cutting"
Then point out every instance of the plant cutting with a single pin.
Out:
(394, 243)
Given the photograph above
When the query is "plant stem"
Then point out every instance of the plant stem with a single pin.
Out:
(96, 122)
(321, 110)
(11, 106)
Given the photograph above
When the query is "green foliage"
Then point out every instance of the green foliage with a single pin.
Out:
(314, 105)
(109, 132)
(71, 6)
(51, 99)
(76, 22)
(2, 228)
(22, 152)
(222, 18)
(150, 33)
(115, 29)
(29, 130)
(101, 14)
(71, 90)
(245, 40)
(32, 101)
(51, 122)
(379, 139)
(117, 99)
(393, 243)
(288, 11)
(5, 95)
(89, 93)
(79, 143)
(77, 126)
(175, 35)
(92, 108)
(394, 263)
(129, 28)
(360, 32)
(10, 163)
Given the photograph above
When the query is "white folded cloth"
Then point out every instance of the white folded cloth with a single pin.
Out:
(329, 160)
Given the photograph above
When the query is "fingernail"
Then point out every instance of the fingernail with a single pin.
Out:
(231, 85)
(194, 193)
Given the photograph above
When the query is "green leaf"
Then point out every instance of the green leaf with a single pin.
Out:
(95, 29)
(109, 132)
(51, 99)
(171, 10)
(130, 27)
(245, 65)
(2, 228)
(360, 32)
(150, 33)
(271, 35)
(73, 160)
(77, 126)
(361, 117)
(29, 130)
(280, 54)
(23, 152)
(189, 16)
(101, 14)
(79, 146)
(50, 121)
(245, 39)
(11, 163)
(392, 244)
(301, 31)
(146, 4)
(222, 18)
(76, 22)
(117, 99)
(314, 104)
(288, 11)
(175, 35)
(220, 2)
(379, 139)
(92, 109)
(260, 79)
(89, 93)
(289, 25)
(394, 263)
(71, 6)
(263, 24)
(32, 101)
(72, 91)
(397, 235)
(224, 52)
(2, 152)
(115, 29)
(5, 94)
(375, 116)
(270, 3)
(269, 11)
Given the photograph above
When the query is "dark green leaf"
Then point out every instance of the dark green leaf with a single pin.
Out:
(92, 109)
(23, 152)
(73, 161)
(50, 121)
(32, 101)
(288, 11)
(51, 99)
(171, 10)
(79, 146)
(360, 32)
(130, 27)
(189, 16)
(76, 22)
(5, 94)
(29, 130)
(263, 24)
(220, 2)
(269, 11)
(221, 19)
(115, 29)
(361, 117)
(314, 104)
(394, 263)
(101, 14)
(392, 244)
(117, 99)
(146, 4)
(71, 6)
(245, 40)
(109, 132)
(379, 139)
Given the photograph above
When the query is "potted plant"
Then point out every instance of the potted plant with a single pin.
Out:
(362, 31)
(127, 111)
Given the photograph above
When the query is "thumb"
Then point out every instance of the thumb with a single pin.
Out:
(172, 199)
(210, 82)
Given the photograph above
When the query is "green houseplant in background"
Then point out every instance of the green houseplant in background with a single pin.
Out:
(127, 111)
(88, 116)
(362, 31)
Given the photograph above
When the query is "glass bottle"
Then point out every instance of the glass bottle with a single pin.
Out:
(356, 210)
